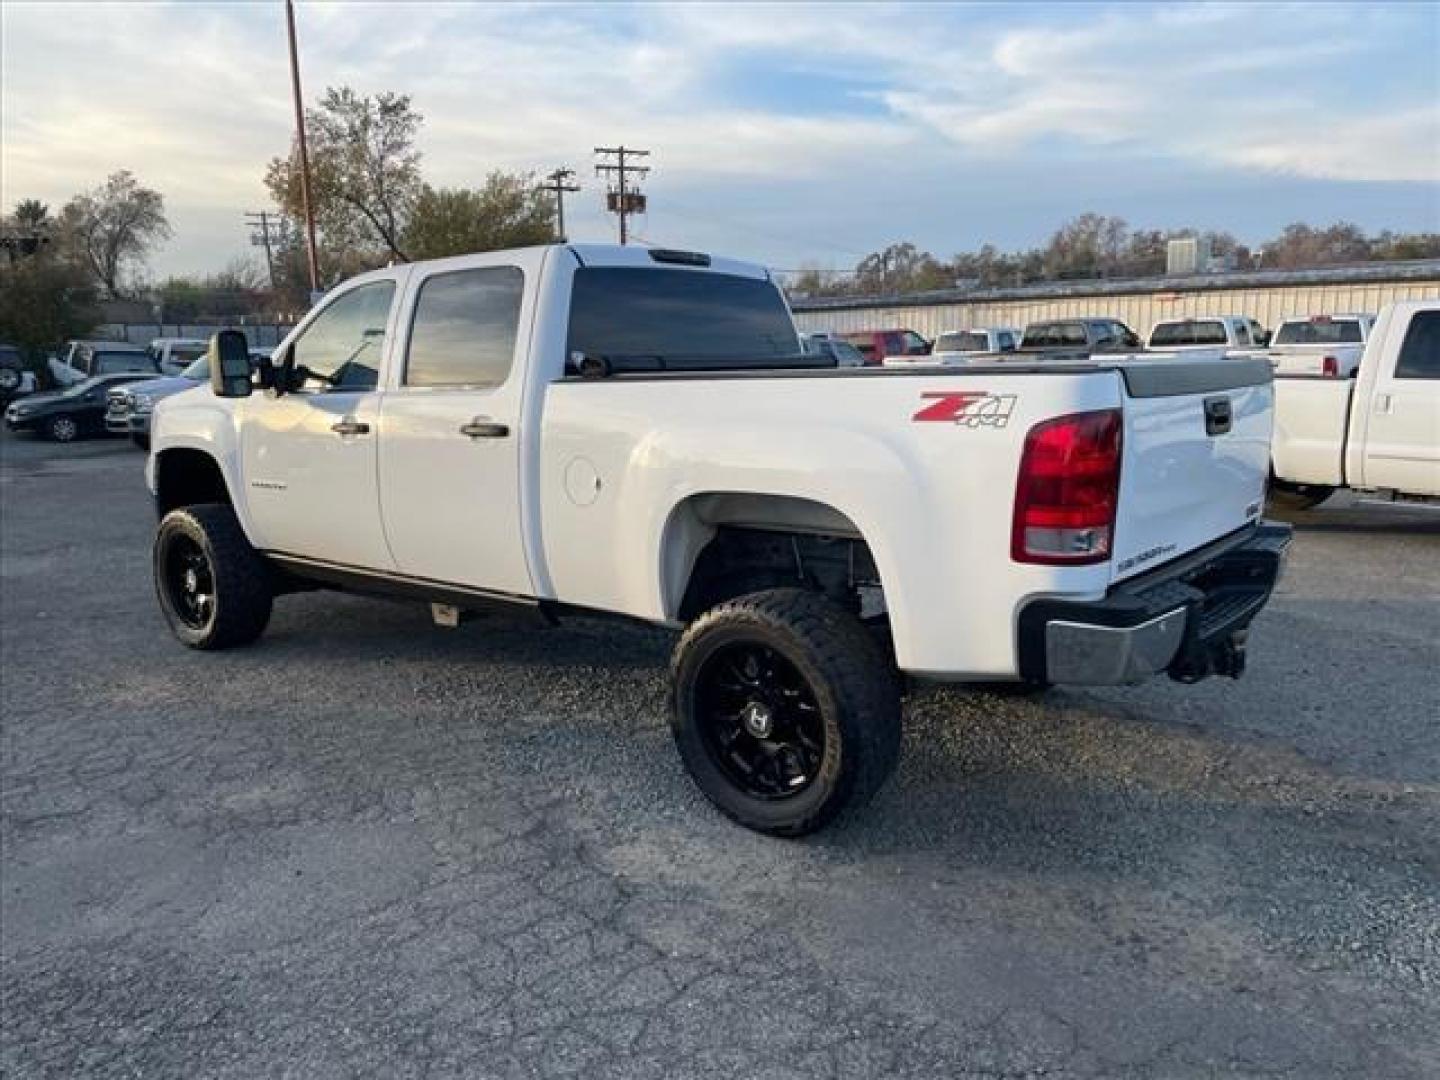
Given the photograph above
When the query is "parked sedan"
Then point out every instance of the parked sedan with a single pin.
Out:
(65, 415)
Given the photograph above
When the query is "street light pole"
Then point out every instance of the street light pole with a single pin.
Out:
(310, 255)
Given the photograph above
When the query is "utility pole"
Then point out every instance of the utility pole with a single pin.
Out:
(559, 184)
(310, 256)
(622, 198)
(261, 223)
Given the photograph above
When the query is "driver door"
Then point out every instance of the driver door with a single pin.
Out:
(310, 454)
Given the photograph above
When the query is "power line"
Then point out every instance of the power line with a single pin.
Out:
(559, 185)
(621, 198)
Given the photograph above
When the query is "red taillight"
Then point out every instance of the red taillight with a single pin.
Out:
(1066, 493)
(1330, 367)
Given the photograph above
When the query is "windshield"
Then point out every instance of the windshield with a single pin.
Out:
(199, 370)
(966, 342)
(644, 312)
(1319, 332)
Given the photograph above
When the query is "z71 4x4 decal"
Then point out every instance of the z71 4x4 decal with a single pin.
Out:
(972, 408)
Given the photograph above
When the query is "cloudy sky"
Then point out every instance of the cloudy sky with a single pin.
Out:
(784, 133)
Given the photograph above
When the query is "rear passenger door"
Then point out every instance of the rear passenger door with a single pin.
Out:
(450, 468)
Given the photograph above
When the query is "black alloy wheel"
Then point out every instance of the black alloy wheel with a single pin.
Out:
(188, 580)
(761, 722)
(215, 590)
(785, 710)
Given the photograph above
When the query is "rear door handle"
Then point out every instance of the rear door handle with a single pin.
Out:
(480, 428)
(350, 426)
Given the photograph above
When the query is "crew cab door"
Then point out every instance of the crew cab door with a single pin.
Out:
(310, 455)
(450, 447)
(1402, 433)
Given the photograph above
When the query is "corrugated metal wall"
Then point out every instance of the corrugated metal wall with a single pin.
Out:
(1139, 311)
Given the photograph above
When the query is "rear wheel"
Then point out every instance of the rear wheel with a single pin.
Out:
(1287, 496)
(784, 710)
(214, 589)
(62, 428)
(142, 441)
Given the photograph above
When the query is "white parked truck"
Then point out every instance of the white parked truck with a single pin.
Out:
(1327, 345)
(1378, 431)
(1207, 333)
(595, 429)
(963, 347)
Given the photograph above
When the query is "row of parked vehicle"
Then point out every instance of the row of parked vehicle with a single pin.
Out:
(1328, 345)
(104, 387)
(1357, 400)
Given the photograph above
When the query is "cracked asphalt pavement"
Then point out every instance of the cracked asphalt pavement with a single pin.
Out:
(369, 846)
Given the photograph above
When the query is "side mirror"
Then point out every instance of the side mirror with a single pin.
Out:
(230, 365)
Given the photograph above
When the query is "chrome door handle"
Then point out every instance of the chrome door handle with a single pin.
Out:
(350, 426)
(480, 428)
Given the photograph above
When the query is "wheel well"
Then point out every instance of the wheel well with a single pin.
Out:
(722, 545)
(188, 477)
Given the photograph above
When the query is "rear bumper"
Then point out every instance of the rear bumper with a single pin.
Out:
(1189, 619)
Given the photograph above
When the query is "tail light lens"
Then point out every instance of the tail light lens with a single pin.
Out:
(1067, 490)
(1330, 367)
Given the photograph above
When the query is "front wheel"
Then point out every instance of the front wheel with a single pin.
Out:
(784, 710)
(62, 428)
(214, 589)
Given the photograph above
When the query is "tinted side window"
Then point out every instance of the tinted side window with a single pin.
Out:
(463, 333)
(1420, 352)
(1170, 334)
(341, 349)
(1210, 333)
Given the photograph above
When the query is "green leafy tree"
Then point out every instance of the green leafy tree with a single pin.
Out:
(364, 172)
(508, 211)
(43, 301)
(111, 229)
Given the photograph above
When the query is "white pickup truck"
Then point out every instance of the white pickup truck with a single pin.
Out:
(962, 347)
(1378, 431)
(599, 429)
(1328, 345)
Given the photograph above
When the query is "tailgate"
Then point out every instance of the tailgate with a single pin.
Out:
(1196, 456)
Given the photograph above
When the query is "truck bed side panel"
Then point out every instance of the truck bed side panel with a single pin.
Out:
(926, 476)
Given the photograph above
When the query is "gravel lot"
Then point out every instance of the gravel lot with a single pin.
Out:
(370, 846)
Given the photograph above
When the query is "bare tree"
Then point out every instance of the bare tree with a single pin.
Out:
(364, 170)
(113, 227)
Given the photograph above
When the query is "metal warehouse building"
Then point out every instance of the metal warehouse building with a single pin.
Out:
(1266, 295)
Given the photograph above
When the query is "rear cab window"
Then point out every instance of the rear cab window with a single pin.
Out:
(1319, 331)
(968, 341)
(647, 319)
